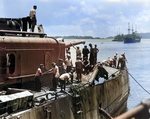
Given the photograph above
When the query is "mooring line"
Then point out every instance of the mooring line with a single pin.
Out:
(136, 91)
(138, 83)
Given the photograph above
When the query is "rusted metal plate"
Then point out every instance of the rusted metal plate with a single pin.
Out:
(6, 98)
(6, 39)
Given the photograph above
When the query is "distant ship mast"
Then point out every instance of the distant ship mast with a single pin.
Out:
(132, 29)
(135, 29)
(128, 28)
(118, 32)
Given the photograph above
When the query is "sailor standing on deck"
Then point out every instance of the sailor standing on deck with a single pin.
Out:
(95, 50)
(78, 52)
(122, 60)
(91, 54)
(33, 17)
(79, 68)
(37, 78)
(85, 51)
(62, 67)
(115, 60)
(55, 72)
(68, 63)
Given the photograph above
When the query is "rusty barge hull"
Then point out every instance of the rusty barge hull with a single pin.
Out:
(19, 59)
(111, 95)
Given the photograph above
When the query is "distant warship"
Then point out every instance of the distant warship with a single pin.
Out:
(132, 38)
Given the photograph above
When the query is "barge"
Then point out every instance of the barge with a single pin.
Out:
(21, 54)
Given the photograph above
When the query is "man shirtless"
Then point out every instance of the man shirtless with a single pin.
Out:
(62, 67)
(68, 63)
(55, 72)
(63, 78)
(37, 78)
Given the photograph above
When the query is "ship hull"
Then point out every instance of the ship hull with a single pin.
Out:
(111, 95)
(131, 40)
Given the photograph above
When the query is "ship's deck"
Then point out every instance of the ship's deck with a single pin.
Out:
(86, 79)
(46, 93)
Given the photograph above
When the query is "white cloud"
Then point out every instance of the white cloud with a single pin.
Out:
(85, 21)
(65, 12)
(142, 1)
(72, 8)
(113, 0)
(144, 16)
(66, 30)
(63, 30)
(60, 14)
(129, 1)
(104, 16)
(45, 0)
(88, 9)
(100, 18)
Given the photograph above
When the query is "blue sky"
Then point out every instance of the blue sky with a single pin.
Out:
(97, 18)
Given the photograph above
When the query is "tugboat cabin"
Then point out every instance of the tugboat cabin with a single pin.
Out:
(23, 52)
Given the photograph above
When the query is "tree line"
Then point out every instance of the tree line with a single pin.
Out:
(77, 37)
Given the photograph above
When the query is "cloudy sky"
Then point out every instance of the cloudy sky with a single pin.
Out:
(97, 18)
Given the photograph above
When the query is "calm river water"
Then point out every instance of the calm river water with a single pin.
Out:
(138, 57)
